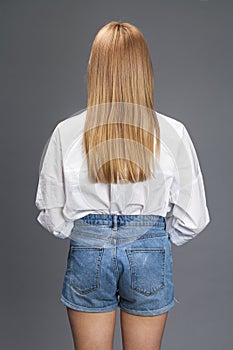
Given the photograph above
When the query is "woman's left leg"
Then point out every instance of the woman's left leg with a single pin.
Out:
(92, 330)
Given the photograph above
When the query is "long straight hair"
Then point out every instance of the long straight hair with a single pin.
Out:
(121, 119)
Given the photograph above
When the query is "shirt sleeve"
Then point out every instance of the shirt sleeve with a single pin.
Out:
(189, 214)
(50, 194)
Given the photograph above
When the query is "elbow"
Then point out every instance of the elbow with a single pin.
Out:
(183, 232)
(53, 221)
(203, 222)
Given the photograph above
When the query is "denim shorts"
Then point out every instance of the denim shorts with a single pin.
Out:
(120, 261)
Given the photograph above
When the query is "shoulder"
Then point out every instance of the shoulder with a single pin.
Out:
(68, 132)
(74, 121)
(170, 124)
(172, 130)
(71, 128)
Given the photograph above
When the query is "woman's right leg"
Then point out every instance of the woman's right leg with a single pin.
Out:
(142, 332)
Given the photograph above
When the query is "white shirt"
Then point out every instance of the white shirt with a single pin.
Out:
(64, 192)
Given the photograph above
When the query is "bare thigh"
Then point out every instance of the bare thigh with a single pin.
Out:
(92, 330)
(142, 332)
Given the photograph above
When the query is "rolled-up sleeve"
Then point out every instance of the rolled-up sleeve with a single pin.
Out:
(50, 194)
(189, 214)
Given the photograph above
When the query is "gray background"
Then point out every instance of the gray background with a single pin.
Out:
(45, 46)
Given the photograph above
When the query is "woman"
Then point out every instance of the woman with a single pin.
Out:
(121, 181)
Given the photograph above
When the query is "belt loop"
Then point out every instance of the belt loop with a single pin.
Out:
(165, 224)
(115, 222)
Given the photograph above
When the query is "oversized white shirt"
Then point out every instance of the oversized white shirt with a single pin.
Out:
(65, 193)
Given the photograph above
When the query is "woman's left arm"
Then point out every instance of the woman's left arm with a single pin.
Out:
(50, 195)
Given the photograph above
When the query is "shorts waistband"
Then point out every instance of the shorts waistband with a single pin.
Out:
(115, 220)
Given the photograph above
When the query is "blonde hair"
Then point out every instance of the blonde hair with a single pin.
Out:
(120, 122)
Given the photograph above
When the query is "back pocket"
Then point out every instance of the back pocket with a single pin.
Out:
(85, 263)
(147, 269)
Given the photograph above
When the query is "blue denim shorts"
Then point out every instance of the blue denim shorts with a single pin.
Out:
(120, 261)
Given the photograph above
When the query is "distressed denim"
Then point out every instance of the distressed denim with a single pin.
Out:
(120, 261)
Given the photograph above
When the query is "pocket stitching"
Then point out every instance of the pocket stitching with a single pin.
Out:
(97, 270)
(133, 272)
